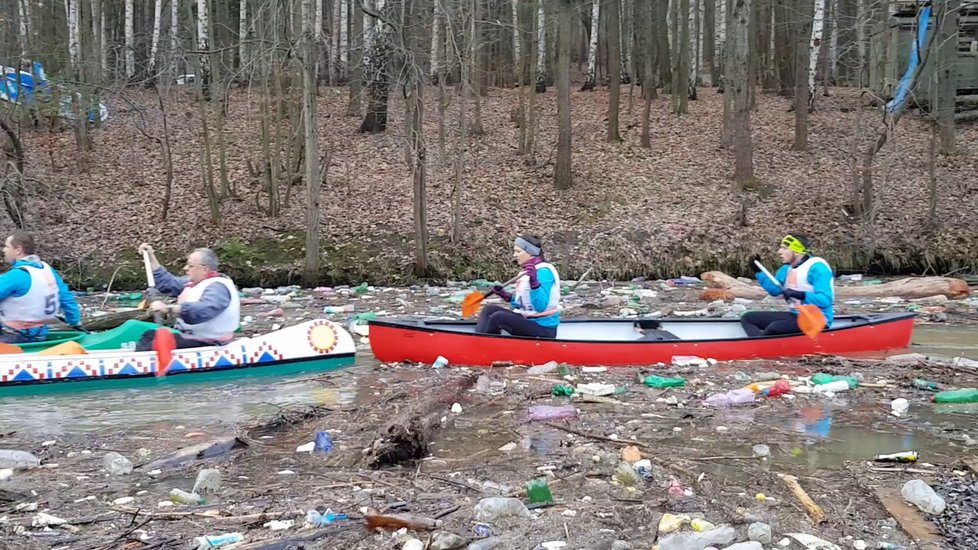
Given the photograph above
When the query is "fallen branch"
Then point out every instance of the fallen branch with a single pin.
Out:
(814, 510)
(921, 287)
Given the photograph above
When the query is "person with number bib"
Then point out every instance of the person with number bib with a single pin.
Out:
(208, 307)
(31, 294)
(535, 300)
(803, 279)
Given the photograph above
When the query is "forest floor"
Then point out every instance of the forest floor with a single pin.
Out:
(664, 211)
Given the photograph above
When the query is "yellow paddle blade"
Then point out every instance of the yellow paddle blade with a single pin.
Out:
(471, 303)
(65, 348)
(811, 320)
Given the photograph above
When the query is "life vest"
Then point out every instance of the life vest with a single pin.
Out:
(522, 293)
(38, 306)
(797, 278)
(220, 328)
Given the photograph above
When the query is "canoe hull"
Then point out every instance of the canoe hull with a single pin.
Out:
(404, 341)
(313, 345)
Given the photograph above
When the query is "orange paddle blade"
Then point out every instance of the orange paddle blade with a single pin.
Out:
(6, 349)
(811, 320)
(471, 303)
(164, 343)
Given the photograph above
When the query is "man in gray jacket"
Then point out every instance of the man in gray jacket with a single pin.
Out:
(208, 308)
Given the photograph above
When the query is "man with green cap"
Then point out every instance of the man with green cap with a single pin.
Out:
(803, 279)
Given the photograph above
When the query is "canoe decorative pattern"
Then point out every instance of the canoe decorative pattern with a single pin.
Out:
(309, 340)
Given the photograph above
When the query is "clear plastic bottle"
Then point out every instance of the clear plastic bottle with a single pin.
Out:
(216, 541)
(183, 497)
(922, 496)
(313, 517)
(692, 540)
(18, 460)
(491, 509)
(730, 398)
(116, 464)
(550, 412)
(833, 387)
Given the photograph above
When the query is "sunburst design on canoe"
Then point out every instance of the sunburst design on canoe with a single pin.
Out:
(322, 337)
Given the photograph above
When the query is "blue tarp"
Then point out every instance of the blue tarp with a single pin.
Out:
(916, 58)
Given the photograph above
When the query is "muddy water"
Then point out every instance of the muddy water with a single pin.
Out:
(951, 341)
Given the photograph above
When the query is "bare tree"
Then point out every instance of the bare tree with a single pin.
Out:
(310, 131)
(737, 85)
(592, 49)
(614, 70)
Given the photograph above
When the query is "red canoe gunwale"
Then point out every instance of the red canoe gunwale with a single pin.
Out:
(423, 340)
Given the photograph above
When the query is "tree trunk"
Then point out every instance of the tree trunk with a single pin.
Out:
(663, 48)
(802, 76)
(542, 79)
(310, 131)
(73, 17)
(155, 44)
(592, 49)
(709, 41)
(419, 174)
(203, 46)
(815, 45)
(563, 177)
(680, 86)
(727, 129)
(24, 20)
(947, 85)
(130, 42)
(356, 65)
(474, 51)
(861, 17)
(614, 70)
(242, 34)
(833, 56)
(693, 32)
(376, 71)
(174, 35)
(784, 47)
(738, 87)
(335, 69)
(932, 197)
(624, 41)
(344, 37)
(531, 118)
(517, 43)
(648, 76)
(922, 287)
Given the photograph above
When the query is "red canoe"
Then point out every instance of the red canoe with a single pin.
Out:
(621, 342)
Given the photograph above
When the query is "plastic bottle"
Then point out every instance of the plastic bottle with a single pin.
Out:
(928, 385)
(440, 362)
(216, 541)
(833, 387)
(701, 525)
(779, 388)
(654, 381)
(208, 481)
(20, 460)
(313, 517)
(692, 540)
(562, 390)
(491, 509)
(550, 412)
(749, 545)
(905, 456)
(183, 497)
(823, 378)
(760, 532)
(348, 308)
(922, 496)
(732, 397)
(965, 395)
(538, 490)
(116, 464)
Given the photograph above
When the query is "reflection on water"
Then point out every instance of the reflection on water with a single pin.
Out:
(193, 405)
(950, 341)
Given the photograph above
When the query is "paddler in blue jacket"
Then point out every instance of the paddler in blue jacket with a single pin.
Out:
(31, 294)
(803, 279)
(535, 300)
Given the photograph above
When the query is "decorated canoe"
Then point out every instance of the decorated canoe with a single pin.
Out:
(316, 345)
(623, 342)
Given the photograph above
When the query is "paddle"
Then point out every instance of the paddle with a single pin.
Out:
(471, 303)
(811, 320)
(163, 341)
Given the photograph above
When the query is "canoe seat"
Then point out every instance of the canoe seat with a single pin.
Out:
(66, 348)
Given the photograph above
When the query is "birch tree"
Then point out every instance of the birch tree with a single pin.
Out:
(203, 46)
(815, 46)
(243, 32)
(174, 32)
(517, 42)
(592, 48)
(376, 70)
(155, 43)
(73, 9)
(130, 42)
(541, 82)
(24, 27)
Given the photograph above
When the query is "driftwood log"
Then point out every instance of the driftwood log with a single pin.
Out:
(109, 320)
(407, 436)
(725, 287)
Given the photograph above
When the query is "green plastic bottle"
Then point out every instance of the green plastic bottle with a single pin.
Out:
(538, 490)
(824, 378)
(964, 395)
(563, 389)
(654, 381)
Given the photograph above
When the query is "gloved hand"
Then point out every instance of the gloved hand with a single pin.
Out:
(531, 272)
(498, 290)
(751, 266)
(792, 294)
